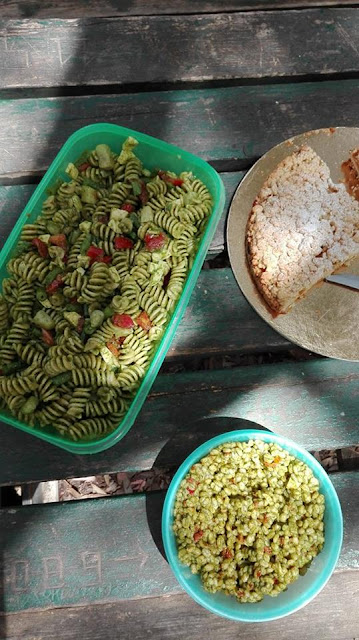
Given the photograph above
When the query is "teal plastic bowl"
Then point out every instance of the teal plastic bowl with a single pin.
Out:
(300, 592)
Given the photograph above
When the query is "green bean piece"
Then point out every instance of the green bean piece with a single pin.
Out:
(21, 248)
(88, 329)
(62, 378)
(13, 367)
(85, 244)
(52, 275)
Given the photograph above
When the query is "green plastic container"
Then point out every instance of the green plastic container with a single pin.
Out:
(153, 153)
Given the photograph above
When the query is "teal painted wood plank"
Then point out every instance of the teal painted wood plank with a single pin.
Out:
(315, 403)
(100, 8)
(107, 550)
(226, 126)
(87, 52)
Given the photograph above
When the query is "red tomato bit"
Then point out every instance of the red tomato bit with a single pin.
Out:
(123, 320)
(197, 535)
(227, 553)
(121, 242)
(144, 193)
(59, 240)
(112, 347)
(84, 166)
(54, 285)
(177, 182)
(154, 242)
(80, 324)
(127, 206)
(144, 321)
(40, 246)
(47, 337)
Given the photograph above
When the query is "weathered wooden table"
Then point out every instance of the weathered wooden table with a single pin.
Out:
(225, 80)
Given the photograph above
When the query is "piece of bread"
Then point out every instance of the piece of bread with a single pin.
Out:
(301, 228)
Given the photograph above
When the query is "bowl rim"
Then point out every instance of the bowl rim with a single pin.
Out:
(167, 518)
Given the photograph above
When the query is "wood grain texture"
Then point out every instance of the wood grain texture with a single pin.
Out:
(230, 127)
(332, 615)
(98, 8)
(314, 403)
(106, 550)
(14, 198)
(220, 46)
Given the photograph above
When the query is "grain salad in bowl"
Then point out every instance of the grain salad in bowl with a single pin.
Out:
(248, 526)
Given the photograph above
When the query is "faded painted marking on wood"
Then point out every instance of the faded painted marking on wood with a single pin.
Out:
(314, 403)
(103, 550)
(178, 617)
(223, 46)
(231, 125)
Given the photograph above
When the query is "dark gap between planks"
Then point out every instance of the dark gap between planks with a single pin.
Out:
(25, 9)
(176, 85)
(155, 479)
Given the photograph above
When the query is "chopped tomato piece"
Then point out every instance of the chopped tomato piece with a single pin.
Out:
(94, 252)
(106, 259)
(84, 166)
(227, 553)
(103, 219)
(258, 574)
(197, 535)
(121, 340)
(80, 324)
(97, 255)
(47, 337)
(59, 240)
(154, 242)
(275, 581)
(177, 182)
(144, 193)
(267, 550)
(54, 285)
(123, 320)
(121, 242)
(40, 246)
(112, 347)
(144, 321)
(240, 593)
(127, 206)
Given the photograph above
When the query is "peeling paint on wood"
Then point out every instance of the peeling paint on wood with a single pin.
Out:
(83, 52)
